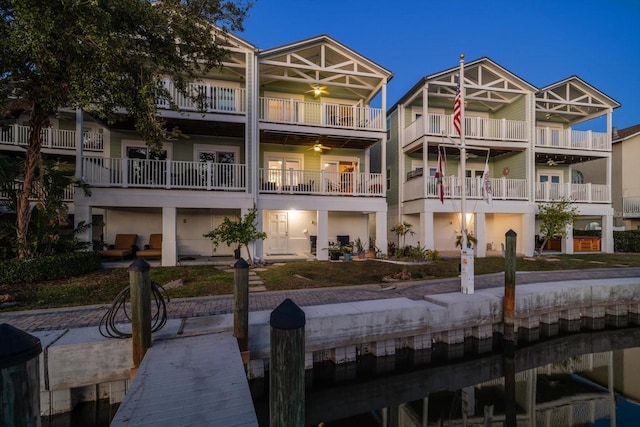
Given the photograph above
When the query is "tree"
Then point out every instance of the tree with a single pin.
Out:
(554, 217)
(240, 232)
(401, 230)
(103, 56)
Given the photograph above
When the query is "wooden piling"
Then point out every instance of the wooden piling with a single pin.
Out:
(508, 315)
(286, 377)
(241, 304)
(19, 378)
(140, 287)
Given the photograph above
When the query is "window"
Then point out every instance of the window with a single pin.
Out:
(577, 177)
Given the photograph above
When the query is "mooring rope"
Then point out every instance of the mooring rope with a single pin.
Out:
(108, 326)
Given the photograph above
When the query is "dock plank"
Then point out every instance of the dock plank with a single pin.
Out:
(191, 381)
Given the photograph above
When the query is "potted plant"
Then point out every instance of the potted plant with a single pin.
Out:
(334, 251)
(372, 249)
(347, 250)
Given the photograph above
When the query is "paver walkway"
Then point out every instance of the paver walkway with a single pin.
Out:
(75, 317)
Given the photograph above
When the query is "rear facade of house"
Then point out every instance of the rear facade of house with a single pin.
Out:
(288, 130)
(528, 140)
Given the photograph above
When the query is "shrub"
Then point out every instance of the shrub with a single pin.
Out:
(51, 267)
(626, 241)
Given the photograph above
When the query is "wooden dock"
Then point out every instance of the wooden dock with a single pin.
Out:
(191, 381)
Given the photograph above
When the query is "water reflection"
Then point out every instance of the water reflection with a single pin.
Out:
(590, 379)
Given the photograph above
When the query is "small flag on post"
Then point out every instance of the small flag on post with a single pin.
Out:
(486, 183)
(457, 109)
(439, 175)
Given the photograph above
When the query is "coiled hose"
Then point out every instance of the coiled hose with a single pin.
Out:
(108, 326)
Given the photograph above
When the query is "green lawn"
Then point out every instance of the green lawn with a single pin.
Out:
(102, 286)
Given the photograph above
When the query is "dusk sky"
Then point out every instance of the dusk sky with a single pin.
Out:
(541, 41)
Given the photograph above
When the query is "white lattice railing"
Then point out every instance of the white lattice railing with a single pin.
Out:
(291, 111)
(501, 188)
(572, 139)
(475, 127)
(631, 207)
(51, 138)
(101, 172)
(316, 182)
(206, 97)
(35, 191)
(582, 193)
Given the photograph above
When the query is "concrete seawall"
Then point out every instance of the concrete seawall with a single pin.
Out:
(80, 365)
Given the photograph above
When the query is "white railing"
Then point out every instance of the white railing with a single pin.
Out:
(501, 188)
(101, 172)
(206, 97)
(475, 127)
(581, 193)
(315, 182)
(631, 207)
(51, 138)
(572, 139)
(36, 192)
(291, 111)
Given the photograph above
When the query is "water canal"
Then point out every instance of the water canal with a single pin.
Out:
(586, 379)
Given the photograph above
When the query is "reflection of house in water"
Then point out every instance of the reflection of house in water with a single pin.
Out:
(557, 394)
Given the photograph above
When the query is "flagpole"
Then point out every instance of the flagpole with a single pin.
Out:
(466, 254)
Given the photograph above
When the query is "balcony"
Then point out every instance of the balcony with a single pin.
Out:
(208, 98)
(58, 139)
(291, 111)
(36, 191)
(501, 188)
(163, 174)
(323, 183)
(475, 127)
(631, 207)
(579, 193)
(572, 139)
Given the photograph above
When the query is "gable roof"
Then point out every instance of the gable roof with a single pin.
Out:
(322, 60)
(481, 76)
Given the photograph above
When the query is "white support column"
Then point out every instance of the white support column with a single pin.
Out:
(606, 240)
(427, 233)
(322, 242)
(567, 242)
(381, 231)
(258, 253)
(480, 232)
(527, 239)
(79, 142)
(169, 240)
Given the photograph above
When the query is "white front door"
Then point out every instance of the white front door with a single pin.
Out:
(278, 233)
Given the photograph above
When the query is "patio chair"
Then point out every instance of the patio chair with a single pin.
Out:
(124, 245)
(153, 249)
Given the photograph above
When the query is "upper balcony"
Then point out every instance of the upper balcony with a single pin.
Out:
(631, 207)
(163, 174)
(321, 183)
(322, 114)
(506, 189)
(476, 128)
(207, 97)
(58, 140)
(572, 139)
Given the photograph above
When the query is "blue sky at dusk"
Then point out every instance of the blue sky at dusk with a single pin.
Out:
(541, 41)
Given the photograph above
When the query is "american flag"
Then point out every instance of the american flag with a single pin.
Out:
(457, 109)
